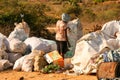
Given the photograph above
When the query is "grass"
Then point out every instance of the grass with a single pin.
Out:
(90, 14)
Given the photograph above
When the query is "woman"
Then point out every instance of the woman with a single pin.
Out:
(61, 34)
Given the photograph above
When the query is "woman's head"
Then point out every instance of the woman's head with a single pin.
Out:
(65, 17)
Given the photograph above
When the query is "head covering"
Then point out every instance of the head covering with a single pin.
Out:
(65, 17)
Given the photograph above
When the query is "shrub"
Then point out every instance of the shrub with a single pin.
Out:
(76, 10)
(88, 15)
(50, 68)
(33, 14)
(107, 15)
(96, 1)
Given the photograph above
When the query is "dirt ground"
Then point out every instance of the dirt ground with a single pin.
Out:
(10, 74)
(19, 75)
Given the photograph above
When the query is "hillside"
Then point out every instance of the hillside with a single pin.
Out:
(92, 15)
(41, 14)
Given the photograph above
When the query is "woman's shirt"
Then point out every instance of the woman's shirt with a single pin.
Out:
(60, 30)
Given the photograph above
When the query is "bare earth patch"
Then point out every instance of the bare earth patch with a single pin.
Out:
(19, 75)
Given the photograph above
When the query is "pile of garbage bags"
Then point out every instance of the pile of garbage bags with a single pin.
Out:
(25, 53)
(22, 52)
(92, 44)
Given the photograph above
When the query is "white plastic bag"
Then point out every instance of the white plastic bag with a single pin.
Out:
(12, 57)
(15, 45)
(34, 43)
(5, 64)
(3, 55)
(3, 42)
(75, 32)
(28, 63)
(18, 64)
(51, 43)
(19, 34)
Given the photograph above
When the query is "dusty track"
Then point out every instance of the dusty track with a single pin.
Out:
(14, 75)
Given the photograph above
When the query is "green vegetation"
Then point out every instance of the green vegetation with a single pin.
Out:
(73, 10)
(39, 15)
(50, 68)
(33, 14)
(98, 0)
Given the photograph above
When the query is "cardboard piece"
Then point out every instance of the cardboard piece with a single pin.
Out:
(55, 58)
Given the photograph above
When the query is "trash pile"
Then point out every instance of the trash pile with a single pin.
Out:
(21, 52)
(93, 44)
(24, 53)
